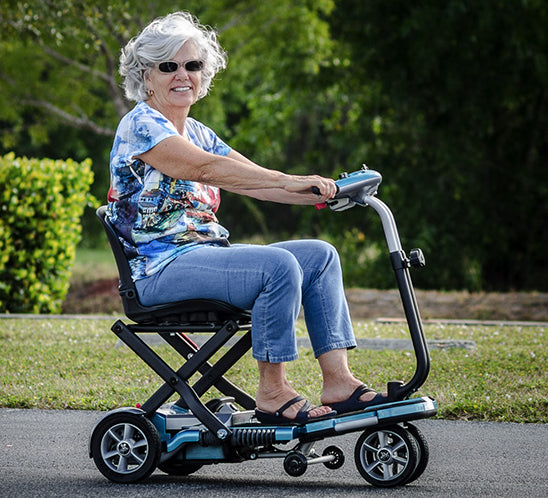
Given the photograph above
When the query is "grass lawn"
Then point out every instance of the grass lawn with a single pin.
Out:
(58, 364)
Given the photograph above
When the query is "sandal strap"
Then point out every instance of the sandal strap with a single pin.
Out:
(296, 399)
(364, 388)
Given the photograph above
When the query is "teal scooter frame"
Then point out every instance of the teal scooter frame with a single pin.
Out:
(128, 444)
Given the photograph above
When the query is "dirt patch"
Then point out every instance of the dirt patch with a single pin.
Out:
(102, 297)
(513, 306)
(98, 297)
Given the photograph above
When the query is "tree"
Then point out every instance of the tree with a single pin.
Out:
(459, 124)
(72, 89)
(447, 99)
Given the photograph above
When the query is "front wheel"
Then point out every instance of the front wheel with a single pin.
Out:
(386, 457)
(423, 451)
(125, 447)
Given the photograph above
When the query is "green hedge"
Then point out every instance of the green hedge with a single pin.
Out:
(41, 202)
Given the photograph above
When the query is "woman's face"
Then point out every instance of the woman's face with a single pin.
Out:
(178, 89)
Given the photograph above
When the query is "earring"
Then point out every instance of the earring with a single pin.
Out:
(150, 92)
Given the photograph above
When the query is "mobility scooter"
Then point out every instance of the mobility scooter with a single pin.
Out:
(128, 444)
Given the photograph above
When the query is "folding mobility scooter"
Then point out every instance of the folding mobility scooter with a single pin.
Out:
(128, 444)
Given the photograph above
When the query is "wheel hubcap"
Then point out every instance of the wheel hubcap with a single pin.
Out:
(124, 448)
(385, 455)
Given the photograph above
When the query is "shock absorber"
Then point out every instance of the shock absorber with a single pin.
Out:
(253, 437)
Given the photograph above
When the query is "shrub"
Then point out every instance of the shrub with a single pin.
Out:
(41, 203)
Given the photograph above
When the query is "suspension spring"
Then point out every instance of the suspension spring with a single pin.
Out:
(253, 437)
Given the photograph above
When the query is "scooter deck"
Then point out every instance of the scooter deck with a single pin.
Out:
(244, 426)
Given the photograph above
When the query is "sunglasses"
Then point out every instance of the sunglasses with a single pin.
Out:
(172, 66)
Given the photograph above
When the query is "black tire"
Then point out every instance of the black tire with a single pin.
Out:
(424, 451)
(295, 464)
(338, 462)
(125, 447)
(387, 456)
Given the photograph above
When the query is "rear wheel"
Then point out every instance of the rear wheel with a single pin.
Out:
(125, 447)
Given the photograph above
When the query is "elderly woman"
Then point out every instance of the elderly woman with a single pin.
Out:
(166, 173)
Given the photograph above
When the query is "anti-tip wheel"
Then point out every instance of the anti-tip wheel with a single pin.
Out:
(125, 447)
(387, 456)
(295, 464)
(338, 457)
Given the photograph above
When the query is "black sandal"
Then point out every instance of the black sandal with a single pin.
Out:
(301, 418)
(353, 402)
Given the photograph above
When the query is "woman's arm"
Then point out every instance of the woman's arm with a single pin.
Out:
(178, 158)
(274, 194)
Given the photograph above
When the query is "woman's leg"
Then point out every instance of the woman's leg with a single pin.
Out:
(338, 382)
(325, 307)
(327, 317)
(266, 280)
(263, 279)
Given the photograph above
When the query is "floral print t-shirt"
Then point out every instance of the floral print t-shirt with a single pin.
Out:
(158, 217)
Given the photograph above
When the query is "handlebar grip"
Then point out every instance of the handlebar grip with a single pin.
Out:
(316, 190)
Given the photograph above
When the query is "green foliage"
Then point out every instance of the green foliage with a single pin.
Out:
(447, 99)
(364, 263)
(41, 203)
(458, 130)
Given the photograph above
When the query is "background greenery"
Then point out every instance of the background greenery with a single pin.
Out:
(76, 364)
(41, 204)
(448, 100)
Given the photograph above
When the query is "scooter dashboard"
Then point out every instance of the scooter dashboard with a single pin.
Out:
(353, 187)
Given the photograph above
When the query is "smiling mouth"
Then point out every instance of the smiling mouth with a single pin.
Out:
(182, 89)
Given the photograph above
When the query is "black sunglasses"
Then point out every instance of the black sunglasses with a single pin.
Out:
(172, 66)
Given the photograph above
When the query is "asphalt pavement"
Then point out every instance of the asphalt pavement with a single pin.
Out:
(43, 453)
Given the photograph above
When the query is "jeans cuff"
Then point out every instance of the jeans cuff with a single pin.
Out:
(336, 345)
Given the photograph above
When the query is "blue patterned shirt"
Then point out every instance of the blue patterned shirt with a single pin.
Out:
(158, 217)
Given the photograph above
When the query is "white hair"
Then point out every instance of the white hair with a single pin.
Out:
(160, 41)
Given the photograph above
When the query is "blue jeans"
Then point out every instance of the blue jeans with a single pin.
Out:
(272, 281)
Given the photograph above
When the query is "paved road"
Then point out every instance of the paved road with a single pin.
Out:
(44, 453)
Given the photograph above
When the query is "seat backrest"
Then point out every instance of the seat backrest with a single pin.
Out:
(127, 289)
(194, 310)
(124, 271)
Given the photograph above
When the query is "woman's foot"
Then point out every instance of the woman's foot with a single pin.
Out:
(303, 415)
(340, 393)
(275, 391)
(361, 398)
(273, 403)
(340, 386)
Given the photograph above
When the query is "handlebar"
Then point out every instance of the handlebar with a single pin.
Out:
(352, 188)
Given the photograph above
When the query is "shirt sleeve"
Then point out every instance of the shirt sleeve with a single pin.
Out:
(206, 138)
(146, 129)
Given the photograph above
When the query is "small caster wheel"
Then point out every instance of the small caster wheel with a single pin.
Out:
(423, 451)
(125, 447)
(386, 457)
(338, 455)
(295, 464)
